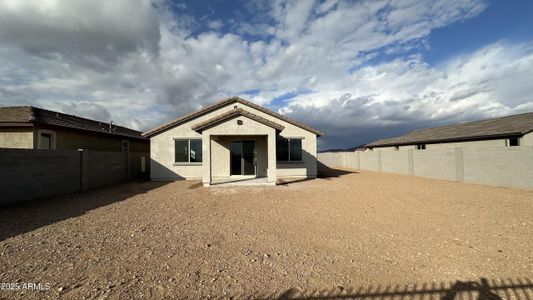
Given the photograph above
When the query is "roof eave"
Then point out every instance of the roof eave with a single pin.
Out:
(191, 116)
(436, 141)
(203, 126)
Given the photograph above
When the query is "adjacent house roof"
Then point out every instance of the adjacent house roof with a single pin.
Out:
(516, 125)
(29, 116)
(234, 113)
(223, 103)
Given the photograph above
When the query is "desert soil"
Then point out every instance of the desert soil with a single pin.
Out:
(359, 233)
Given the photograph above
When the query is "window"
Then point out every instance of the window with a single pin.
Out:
(188, 151)
(513, 142)
(396, 148)
(421, 147)
(46, 140)
(125, 146)
(288, 149)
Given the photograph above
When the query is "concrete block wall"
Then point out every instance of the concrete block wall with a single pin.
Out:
(370, 161)
(338, 159)
(28, 173)
(107, 168)
(500, 166)
(436, 163)
(510, 166)
(396, 162)
(25, 173)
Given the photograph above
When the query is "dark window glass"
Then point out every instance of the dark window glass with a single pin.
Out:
(181, 150)
(296, 149)
(46, 141)
(513, 142)
(421, 146)
(196, 151)
(235, 158)
(282, 149)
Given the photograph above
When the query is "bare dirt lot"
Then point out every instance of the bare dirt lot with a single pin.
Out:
(361, 234)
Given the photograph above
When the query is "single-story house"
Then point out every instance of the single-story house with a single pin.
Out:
(509, 131)
(233, 139)
(28, 127)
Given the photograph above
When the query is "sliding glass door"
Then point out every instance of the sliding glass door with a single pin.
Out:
(242, 158)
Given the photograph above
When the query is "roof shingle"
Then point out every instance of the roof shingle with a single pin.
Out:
(516, 125)
(20, 115)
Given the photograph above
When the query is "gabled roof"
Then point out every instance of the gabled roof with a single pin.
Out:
(29, 116)
(516, 125)
(223, 103)
(234, 113)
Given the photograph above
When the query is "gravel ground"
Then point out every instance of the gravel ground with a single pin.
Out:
(354, 233)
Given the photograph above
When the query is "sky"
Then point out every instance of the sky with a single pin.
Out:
(356, 70)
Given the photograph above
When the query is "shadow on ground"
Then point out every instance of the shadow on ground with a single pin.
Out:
(324, 171)
(483, 289)
(22, 217)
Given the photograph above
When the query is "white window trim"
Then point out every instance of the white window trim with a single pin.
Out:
(186, 163)
(46, 131)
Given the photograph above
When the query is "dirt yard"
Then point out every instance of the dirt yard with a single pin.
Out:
(361, 234)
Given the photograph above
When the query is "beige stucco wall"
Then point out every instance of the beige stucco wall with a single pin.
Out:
(162, 147)
(16, 138)
(527, 140)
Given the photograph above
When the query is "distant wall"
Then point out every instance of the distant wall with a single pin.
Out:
(501, 166)
(26, 173)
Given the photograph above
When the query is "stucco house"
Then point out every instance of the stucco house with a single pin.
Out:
(231, 140)
(28, 127)
(509, 131)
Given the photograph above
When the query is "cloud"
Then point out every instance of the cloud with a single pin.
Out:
(215, 25)
(395, 97)
(90, 33)
(143, 63)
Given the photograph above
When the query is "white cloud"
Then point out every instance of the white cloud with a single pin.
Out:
(403, 94)
(215, 25)
(136, 62)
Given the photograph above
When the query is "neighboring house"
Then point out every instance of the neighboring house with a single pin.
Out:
(36, 128)
(516, 130)
(233, 140)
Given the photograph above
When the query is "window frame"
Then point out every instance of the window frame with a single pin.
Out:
(125, 143)
(508, 142)
(289, 150)
(52, 139)
(188, 162)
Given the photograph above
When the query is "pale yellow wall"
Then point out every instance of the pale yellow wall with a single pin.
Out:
(16, 138)
(527, 140)
(162, 147)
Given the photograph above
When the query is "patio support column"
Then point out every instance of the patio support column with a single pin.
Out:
(206, 159)
(271, 171)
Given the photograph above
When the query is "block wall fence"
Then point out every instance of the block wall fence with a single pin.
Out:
(500, 166)
(28, 173)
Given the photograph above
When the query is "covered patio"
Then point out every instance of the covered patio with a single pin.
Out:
(238, 147)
